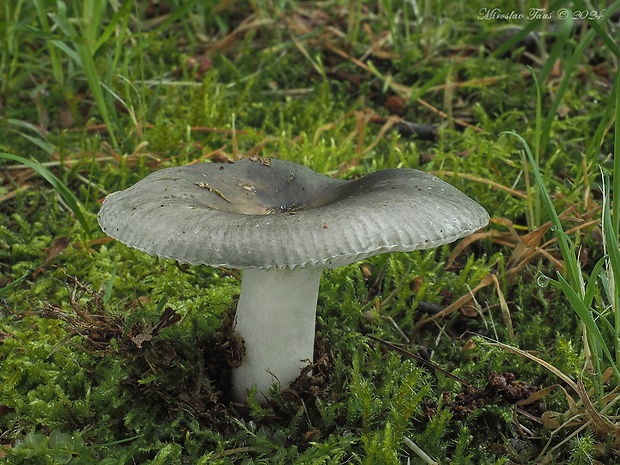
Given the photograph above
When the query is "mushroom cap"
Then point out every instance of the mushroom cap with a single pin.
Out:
(269, 213)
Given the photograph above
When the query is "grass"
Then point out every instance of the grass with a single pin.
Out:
(500, 349)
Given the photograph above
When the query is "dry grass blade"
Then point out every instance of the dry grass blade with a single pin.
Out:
(390, 122)
(329, 126)
(362, 118)
(304, 52)
(538, 395)
(582, 413)
(260, 146)
(488, 182)
(583, 417)
(230, 40)
(484, 282)
(483, 82)
(423, 361)
(419, 452)
(10, 194)
(601, 424)
(504, 307)
(464, 243)
(515, 350)
(377, 43)
(399, 89)
(527, 247)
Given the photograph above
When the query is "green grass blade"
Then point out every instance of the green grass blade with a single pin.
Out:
(110, 285)
(91, 21)
(62, 22)
(40, 140)
(591, 286)
(531, 25)
(61, 188)
(12, 285)
(610, 240)
(92, 77)
(596, 24)
(122, 14)
(161, 304)
(569, 66)
(57, 68)
(535, 202)
(42, 144)
(615, 213)
(606, 119)
(564, 242)
(82, 52)
(176, 15)
(588, 320)
(68, 51)
(562, 36)
(615, 216)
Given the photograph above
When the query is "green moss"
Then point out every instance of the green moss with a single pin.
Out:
(96, 397)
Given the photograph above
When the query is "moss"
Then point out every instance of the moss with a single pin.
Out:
(74, 393)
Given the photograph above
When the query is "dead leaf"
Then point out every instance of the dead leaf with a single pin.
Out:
(469, 309)
(59, 246)
(167, 319)
(395, 105)
(143, 337)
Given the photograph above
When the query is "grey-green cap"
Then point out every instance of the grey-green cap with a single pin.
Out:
(270, 213)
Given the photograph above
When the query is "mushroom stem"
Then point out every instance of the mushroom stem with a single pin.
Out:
(275, 317)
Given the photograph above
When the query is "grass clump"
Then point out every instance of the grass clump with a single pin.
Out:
(474, 353)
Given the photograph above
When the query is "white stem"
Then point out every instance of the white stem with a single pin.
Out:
(275, 317)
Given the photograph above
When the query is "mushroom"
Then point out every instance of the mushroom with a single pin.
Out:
(282, 223)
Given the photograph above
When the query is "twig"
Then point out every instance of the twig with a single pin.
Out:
(423, 361)
(408, 129)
